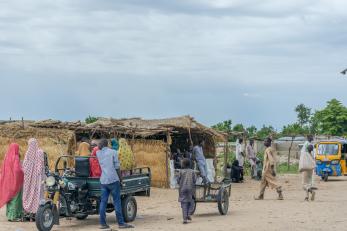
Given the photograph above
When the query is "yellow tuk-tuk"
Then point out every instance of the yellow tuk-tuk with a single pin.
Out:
(331, 158)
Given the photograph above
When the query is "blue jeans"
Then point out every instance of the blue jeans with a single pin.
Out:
(114, 189)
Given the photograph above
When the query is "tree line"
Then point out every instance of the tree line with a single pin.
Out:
(331, 120)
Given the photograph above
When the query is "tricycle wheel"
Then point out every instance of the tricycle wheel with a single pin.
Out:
(81, 216)
(129, 208)
(223, 202)
(45, 218)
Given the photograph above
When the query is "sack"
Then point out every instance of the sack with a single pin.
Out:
(306, 162)
(173, 178)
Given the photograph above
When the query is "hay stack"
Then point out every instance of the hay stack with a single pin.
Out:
(151, 153)
(54, 142)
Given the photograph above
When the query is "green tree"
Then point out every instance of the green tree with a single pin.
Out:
(294, 129)
(238, 128)
(332, 120)
(252, 131)
(304, 114)
(266, 131)
(90, 119)
(224, 126)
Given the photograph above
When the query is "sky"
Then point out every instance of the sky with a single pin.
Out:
(249, 61)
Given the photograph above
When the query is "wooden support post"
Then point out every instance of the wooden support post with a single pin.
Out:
(290, 148)
(190, 137)
(245, 144)
(168, 154)
(226, 153)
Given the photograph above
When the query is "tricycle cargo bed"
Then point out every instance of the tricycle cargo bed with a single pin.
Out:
(136, 182)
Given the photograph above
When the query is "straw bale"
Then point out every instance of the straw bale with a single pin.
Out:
(53, 141)
(151, 153)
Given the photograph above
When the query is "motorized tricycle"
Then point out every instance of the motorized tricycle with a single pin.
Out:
(70, 192)
(331, 158)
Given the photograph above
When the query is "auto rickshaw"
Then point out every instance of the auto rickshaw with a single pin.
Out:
(331, 158)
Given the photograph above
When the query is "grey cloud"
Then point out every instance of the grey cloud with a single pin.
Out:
(164, 58)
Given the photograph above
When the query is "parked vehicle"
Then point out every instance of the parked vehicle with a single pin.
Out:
(70, 192)
(331, 158)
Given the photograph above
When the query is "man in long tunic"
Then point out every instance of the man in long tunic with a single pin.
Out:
(269, 173)
(252, 158)
(199, 157)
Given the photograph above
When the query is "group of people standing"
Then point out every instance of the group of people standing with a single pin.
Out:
(237, 168)
(21, 187)
(91, 148)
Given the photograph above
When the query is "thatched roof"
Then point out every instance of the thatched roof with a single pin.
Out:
(134, 126)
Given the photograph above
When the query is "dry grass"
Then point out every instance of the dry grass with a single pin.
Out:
(151, 153)
(53, 141)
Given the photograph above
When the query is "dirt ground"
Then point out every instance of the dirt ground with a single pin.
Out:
(162, 211)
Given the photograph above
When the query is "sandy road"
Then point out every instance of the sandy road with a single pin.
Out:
(162, 211)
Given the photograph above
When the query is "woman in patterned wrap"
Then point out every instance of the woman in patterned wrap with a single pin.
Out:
(34, 174)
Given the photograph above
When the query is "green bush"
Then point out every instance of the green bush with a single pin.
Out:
(283, 168)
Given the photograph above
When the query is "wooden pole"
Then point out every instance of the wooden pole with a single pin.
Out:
(245, 144)
(168, 153)
(215, 160)
(190, 137)
(226, 151)
(290, 148)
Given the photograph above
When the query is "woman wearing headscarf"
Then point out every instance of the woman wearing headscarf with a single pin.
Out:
(95, 169)
(34, 174)
(114, 144)
(83, 149)
(11, 183)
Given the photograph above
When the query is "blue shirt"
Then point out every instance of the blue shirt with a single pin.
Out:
(108, 160)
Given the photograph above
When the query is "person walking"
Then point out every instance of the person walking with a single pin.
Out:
(34, 174)
(252, 158)
(307, 143)
(186, 181)
(269, 173)
(304, 149)
(110, 184)
(11, 183)
(307, 174)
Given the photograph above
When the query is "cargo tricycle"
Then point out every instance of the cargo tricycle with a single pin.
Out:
(71, 192)
(214, 193)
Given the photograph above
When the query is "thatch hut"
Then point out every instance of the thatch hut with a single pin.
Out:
(151, 140)
(54, 142)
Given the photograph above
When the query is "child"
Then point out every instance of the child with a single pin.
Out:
(186, 181)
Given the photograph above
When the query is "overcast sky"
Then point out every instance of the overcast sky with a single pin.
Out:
(249, 61)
